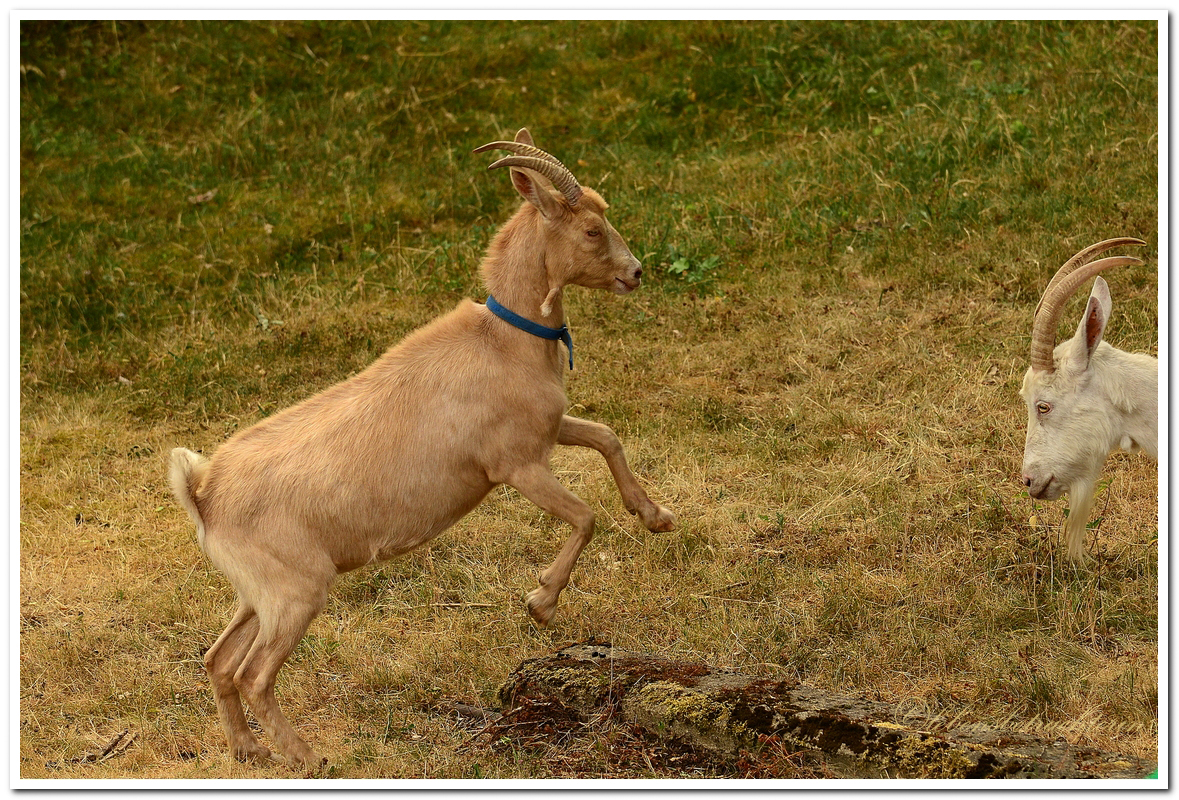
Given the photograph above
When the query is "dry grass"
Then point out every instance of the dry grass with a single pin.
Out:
(880, 547)
(832, 412)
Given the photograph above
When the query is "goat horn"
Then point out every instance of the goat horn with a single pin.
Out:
(1045, 324)
(1081, 258)
(537, 160)
(519, 148)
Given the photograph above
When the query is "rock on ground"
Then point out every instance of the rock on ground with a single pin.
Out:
(730, 715)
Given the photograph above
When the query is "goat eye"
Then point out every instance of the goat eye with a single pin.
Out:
(594, 232)
(1043, 408)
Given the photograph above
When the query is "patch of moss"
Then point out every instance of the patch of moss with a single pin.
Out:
(577, 682)
(688, 714)
(927, 757)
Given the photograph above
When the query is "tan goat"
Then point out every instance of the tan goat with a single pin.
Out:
(381, 463)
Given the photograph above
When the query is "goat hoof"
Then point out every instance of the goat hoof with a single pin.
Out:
(540, 607)
(315, 766)
(252, 751)
(310, 763)
(658, 519)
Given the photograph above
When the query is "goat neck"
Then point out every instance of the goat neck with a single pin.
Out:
(516, 272)
(1130, 384)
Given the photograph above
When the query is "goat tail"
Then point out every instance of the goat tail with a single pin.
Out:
(186, 471)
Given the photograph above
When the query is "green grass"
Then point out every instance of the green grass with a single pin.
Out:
(845, 228)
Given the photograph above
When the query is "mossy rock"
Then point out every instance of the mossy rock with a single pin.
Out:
(730, 715)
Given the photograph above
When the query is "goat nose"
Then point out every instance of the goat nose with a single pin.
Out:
(638, 272)
(1027, 480)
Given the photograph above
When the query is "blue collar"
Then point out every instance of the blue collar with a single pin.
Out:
(528, 326)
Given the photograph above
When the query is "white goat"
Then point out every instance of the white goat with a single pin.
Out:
(1084, 397)
(381, 463)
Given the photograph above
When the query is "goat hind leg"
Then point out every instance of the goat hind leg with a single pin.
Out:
(583, 433)
(537, 484)
(281, 626)
(221, 662)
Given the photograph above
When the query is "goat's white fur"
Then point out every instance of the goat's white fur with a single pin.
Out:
(381, 463)
(1098, 399)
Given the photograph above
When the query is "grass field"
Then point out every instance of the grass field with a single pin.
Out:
(845, 228)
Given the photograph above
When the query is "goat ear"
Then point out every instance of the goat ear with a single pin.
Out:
(531, 188)
(524, 137)
(1092, 325)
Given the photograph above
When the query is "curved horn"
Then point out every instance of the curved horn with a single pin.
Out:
(1083, 257)
(1052, 303)
(519, 148)
(537, 160)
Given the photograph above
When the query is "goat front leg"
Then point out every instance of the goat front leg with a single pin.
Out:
(537, 484)
(583, 433)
